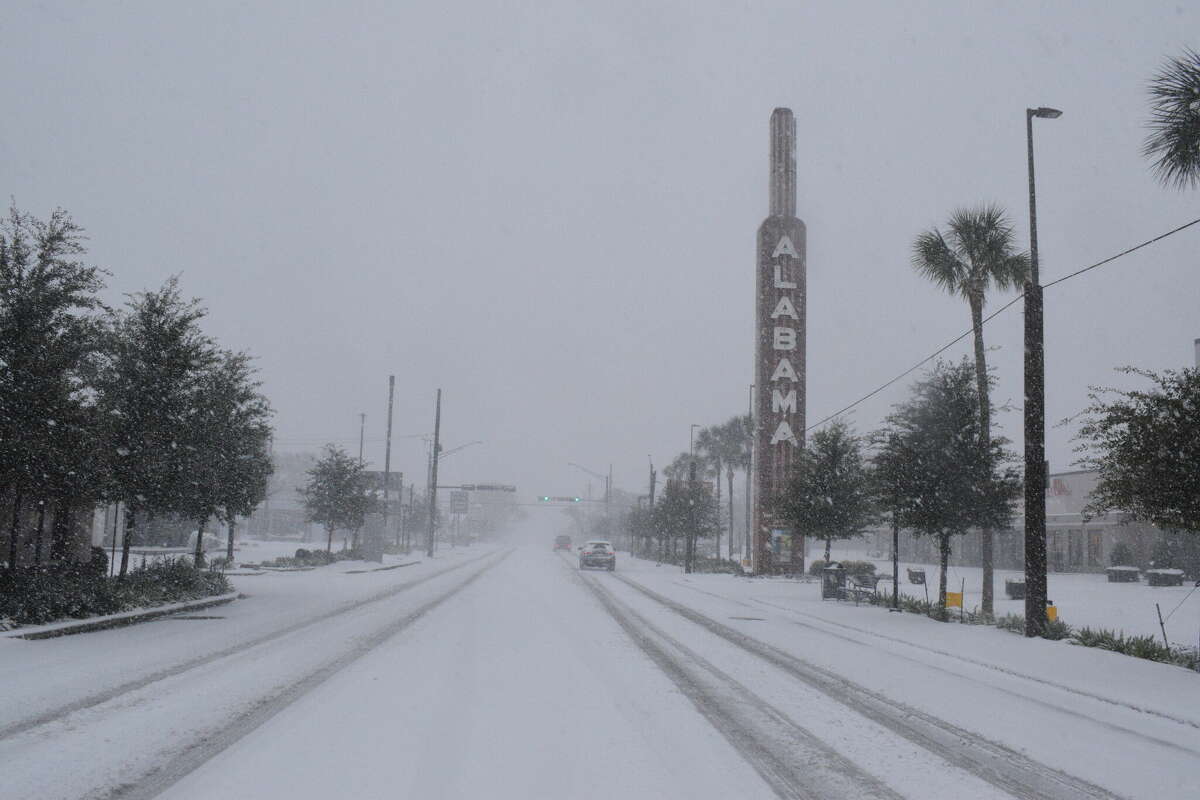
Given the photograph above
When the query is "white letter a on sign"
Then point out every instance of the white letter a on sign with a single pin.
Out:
(784, 248)
(784, 434)
(784, 371)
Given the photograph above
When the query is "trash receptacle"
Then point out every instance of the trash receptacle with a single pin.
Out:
(833, 581)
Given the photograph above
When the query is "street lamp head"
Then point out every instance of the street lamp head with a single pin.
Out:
(1045, 113)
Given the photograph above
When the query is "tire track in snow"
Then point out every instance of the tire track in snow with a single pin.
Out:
(990, 761)
(793, 762)
(1011, 673)
(212, 743)
(55, 714)
(1007, 672)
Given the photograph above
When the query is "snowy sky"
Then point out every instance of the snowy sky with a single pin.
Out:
(549, 209)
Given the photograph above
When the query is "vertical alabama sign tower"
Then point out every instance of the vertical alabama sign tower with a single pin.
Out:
(779, 365)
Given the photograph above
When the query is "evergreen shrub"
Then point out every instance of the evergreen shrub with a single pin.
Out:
(718, 565)
(854, 568)
(1121, 556)
(38, 596)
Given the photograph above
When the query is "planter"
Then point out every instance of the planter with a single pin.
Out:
(1122, 574)
(1164, 577)
(1014, 589)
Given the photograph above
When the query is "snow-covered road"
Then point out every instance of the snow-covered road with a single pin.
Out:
(506, 673)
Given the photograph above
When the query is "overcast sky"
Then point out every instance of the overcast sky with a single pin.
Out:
(549, 209)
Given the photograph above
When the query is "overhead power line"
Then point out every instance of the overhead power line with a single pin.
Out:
(992, 316)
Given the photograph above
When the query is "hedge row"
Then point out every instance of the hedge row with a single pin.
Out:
(37, 596)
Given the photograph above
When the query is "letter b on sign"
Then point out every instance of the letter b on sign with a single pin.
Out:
(785, 339)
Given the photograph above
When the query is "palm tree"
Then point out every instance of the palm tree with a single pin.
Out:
(733, 445)
(708, 443)
(1174, 140)
(976, 253)
(741, 438)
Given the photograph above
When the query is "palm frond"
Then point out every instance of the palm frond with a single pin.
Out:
(934, 260)
(1174, 139)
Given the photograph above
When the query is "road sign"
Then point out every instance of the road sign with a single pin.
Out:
(458, 502)
(375, 480)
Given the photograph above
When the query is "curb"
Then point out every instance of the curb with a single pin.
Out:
(54, 629)
(380, 569)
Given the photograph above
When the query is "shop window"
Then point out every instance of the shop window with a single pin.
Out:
(1095, 541)
(1057, 548)
(1075, 545)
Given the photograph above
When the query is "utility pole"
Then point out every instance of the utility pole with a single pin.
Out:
(437, 432)
(387, 452)
(648, 546)
(653, 480)
(362, 427)
(399, 509)
(412, 513)
(608, 505)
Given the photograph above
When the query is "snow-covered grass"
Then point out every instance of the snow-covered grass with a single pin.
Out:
(1083, 599)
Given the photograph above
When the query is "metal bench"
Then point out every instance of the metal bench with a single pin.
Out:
(863, 587)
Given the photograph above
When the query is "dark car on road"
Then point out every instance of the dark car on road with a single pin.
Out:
(598, 554)
(562, 543)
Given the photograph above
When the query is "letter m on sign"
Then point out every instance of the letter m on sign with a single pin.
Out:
(783, 403)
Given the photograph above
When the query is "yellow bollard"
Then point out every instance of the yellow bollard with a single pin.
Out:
(1051, 613)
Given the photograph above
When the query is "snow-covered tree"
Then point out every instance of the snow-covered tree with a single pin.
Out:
(940, 481)
(337, 495)
(828, 494)
(685, 512)
(227, 434)
(49, 325)
(1146, 446)
(157, 360)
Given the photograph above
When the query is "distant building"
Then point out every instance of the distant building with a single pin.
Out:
(1072, 544)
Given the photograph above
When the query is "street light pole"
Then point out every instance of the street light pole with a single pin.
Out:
(746, 536)
(362, 427)
(387, 453)
(433, 469)
(1035, 413)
